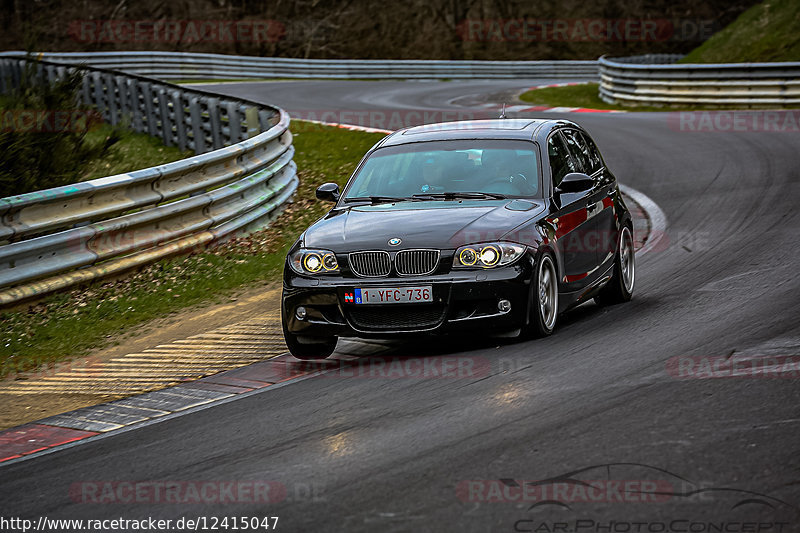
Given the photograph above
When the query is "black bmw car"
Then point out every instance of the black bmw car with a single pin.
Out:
(490, 225)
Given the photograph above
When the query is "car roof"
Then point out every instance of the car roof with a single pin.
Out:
(508, 128)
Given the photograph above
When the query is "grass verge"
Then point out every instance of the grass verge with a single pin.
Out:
(67, 325)
(581, 95)
(586, 95)
(130, 151)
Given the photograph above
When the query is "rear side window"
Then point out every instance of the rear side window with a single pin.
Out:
(561, 163)
(578, 148)
(593, 153)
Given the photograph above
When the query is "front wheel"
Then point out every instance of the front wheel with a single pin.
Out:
(317, 349)
(543, 310)
(619, 288)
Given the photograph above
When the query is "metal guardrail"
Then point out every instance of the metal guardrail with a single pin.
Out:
(189, 119)
(59, 237)
(192, 66)
(656, 79)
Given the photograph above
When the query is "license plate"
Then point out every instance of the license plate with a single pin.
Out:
(390, 295)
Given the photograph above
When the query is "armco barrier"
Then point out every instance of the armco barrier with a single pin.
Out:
(194, 66)
(58, 237)
(192, 119)
(657, 80)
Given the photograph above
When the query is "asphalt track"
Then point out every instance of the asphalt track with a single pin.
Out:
(395, 454)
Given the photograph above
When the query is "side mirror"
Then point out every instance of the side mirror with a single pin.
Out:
(575, 182)
(328, 192)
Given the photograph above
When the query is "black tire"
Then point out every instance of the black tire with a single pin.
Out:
(619, 288)
(319, 349)
(542, 318)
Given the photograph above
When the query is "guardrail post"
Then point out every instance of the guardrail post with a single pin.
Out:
(180, 118)
(234, 123)
(49, 74)
(123, 99)
(264, 119)
(166, 120)
(252, 122)
(99, 96)
(113, 98)
(135, 106)
(4, 88)
(215, 124)
(150, 116)
(39, 75)
(198, 135)
(86, 90)
(16, 74)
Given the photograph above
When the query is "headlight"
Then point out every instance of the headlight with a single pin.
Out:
(306, 262)
(487, 255)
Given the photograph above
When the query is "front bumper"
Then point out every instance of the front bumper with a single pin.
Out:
(462, 301)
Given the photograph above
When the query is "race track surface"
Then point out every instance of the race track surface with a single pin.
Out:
(398, 454)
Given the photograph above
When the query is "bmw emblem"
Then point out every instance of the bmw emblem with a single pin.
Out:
(395, 241)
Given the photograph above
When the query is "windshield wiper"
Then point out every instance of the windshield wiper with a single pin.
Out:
(377, 199)
(461, 195)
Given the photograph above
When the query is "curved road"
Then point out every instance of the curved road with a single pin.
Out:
(378, 454)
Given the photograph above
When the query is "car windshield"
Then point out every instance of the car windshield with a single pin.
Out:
(479, 169)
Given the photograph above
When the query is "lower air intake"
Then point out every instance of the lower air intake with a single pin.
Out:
(396, 317)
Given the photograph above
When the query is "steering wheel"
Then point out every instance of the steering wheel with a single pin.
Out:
(519, 181)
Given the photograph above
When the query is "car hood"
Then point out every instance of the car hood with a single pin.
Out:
(429, 224)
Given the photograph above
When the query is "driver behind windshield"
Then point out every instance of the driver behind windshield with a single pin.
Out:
(503, 171)
(432, 175)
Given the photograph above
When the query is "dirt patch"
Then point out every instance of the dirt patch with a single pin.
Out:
(22, 408)
(194, 321)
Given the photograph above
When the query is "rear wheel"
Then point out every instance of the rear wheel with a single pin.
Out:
(619, 289)
(543, 310)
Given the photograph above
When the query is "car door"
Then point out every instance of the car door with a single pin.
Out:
(606, 184)
(600, 212)
(573, 228)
